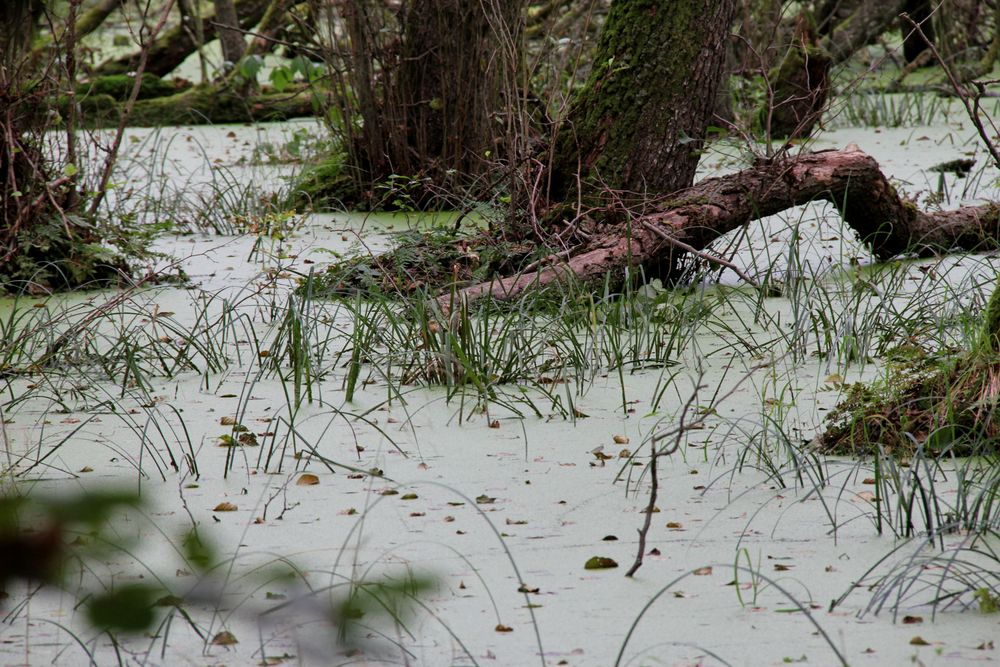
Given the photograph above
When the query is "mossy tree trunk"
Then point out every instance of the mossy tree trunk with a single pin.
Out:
(639, 122)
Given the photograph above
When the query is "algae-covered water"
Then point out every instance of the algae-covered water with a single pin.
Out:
(494, 506)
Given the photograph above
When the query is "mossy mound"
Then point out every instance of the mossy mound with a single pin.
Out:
(432, 261)
(945, 406)
(325, 186)
(195, 106)
(119, 87)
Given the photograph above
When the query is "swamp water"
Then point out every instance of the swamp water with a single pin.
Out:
(493, 507)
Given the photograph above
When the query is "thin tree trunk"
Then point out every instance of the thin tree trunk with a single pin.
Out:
(233, 44)
(194, 28)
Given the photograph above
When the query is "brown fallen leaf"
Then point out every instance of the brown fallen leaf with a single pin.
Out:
(919, 641)
(224, 638)
(495, 423)
(703, 571)
(307, 479)
(228, 421)
(620, 439)
(86, 469)
(911, 620)
(673, 525)
(782, 568)
(600, 455)
(503, 628)
(525, 588)
(409, 496)
(225, 507)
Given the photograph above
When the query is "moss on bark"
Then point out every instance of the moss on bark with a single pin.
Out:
(639, 121)
(119, 86)
(199, 105)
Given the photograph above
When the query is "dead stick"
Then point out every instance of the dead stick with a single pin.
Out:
(699, 253)
(960, 91)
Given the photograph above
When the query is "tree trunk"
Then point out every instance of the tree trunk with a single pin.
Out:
(914, 43)
(233, 44)
(443, 102)
(799, 87)
(173, 46)
(870, 19)
(639, 121)
(269, 26)
(672, 228)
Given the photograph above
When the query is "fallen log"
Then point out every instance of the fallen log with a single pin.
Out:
(691, 220)
(174, 46)
(201, 105)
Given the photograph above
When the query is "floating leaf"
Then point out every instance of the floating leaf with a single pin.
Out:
(620, 439)
(599, 563)
(525, 588)
(503, 628)
(224, 638)
(485, 499)
(225, 507)
(228, 421)
(409, 496)
(911, 620)
(307, 479)
(673, 525)
(919, 641)
(703, 571)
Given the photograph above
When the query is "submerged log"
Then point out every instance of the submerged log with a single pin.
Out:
(849, 179)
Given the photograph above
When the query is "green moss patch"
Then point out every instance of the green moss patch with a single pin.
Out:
(945, 406)
(431, 261)
(119, 87)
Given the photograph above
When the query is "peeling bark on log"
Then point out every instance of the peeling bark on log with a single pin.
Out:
(849, 179)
